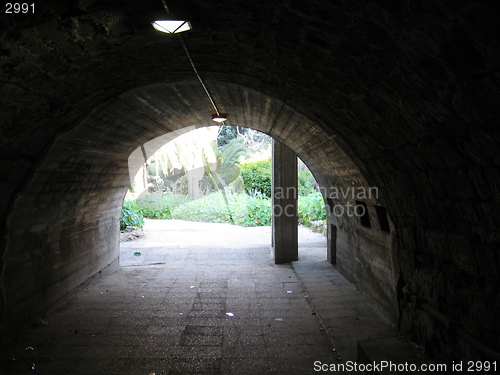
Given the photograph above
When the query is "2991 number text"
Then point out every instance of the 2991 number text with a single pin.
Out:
(16, 8)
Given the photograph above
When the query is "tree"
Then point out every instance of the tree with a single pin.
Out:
(227, 133)
(189, 153)
(225, 171)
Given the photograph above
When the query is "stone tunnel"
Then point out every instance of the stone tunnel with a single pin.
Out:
(402, 97)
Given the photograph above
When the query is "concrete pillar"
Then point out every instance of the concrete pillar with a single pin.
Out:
(284, 226)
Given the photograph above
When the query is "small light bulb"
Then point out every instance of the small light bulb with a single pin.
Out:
(220, 118)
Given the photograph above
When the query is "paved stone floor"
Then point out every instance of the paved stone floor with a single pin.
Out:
(204, 299)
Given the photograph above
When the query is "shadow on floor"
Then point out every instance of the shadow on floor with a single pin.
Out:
(202, 301)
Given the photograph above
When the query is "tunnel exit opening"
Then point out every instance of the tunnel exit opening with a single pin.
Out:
(228, 174)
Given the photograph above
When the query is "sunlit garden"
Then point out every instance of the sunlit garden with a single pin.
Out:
(217, 175)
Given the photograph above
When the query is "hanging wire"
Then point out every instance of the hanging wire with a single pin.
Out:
(192, 65)
(199, 77)
(166, 7)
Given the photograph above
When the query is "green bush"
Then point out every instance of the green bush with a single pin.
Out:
(305, 182)
(154, 206)
(243, 209)
(311, 208)
(174, 200)
(257, 176)
(258, 212)
(157, 206)
(131, 215)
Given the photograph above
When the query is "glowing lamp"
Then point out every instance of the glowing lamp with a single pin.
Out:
(172, 26)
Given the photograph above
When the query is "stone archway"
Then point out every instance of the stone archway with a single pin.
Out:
(69, 211)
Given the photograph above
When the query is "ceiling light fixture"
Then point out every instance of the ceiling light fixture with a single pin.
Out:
(175, 27)
(172, 26)
(220, 118)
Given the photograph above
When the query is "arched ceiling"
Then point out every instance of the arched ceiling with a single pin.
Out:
(148, 117)
(383, 75)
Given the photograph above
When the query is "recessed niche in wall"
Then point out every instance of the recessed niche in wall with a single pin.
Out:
(329, 202)
(332, 245)
(382, 219)
(362, 213)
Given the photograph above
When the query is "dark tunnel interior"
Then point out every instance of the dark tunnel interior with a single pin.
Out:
(399, 96)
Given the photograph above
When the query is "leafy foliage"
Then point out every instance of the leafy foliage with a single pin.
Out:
(174, 200)
(311, 208)
(241, 208)
(244, 209)
(231, 153)
(225, 170)
(156, 206)
(259, 212)
(131, 215)
(305, 182)
(228, 133)
(257, 176)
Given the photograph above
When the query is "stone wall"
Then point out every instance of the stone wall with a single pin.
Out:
(63, 230)
(366, 257)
